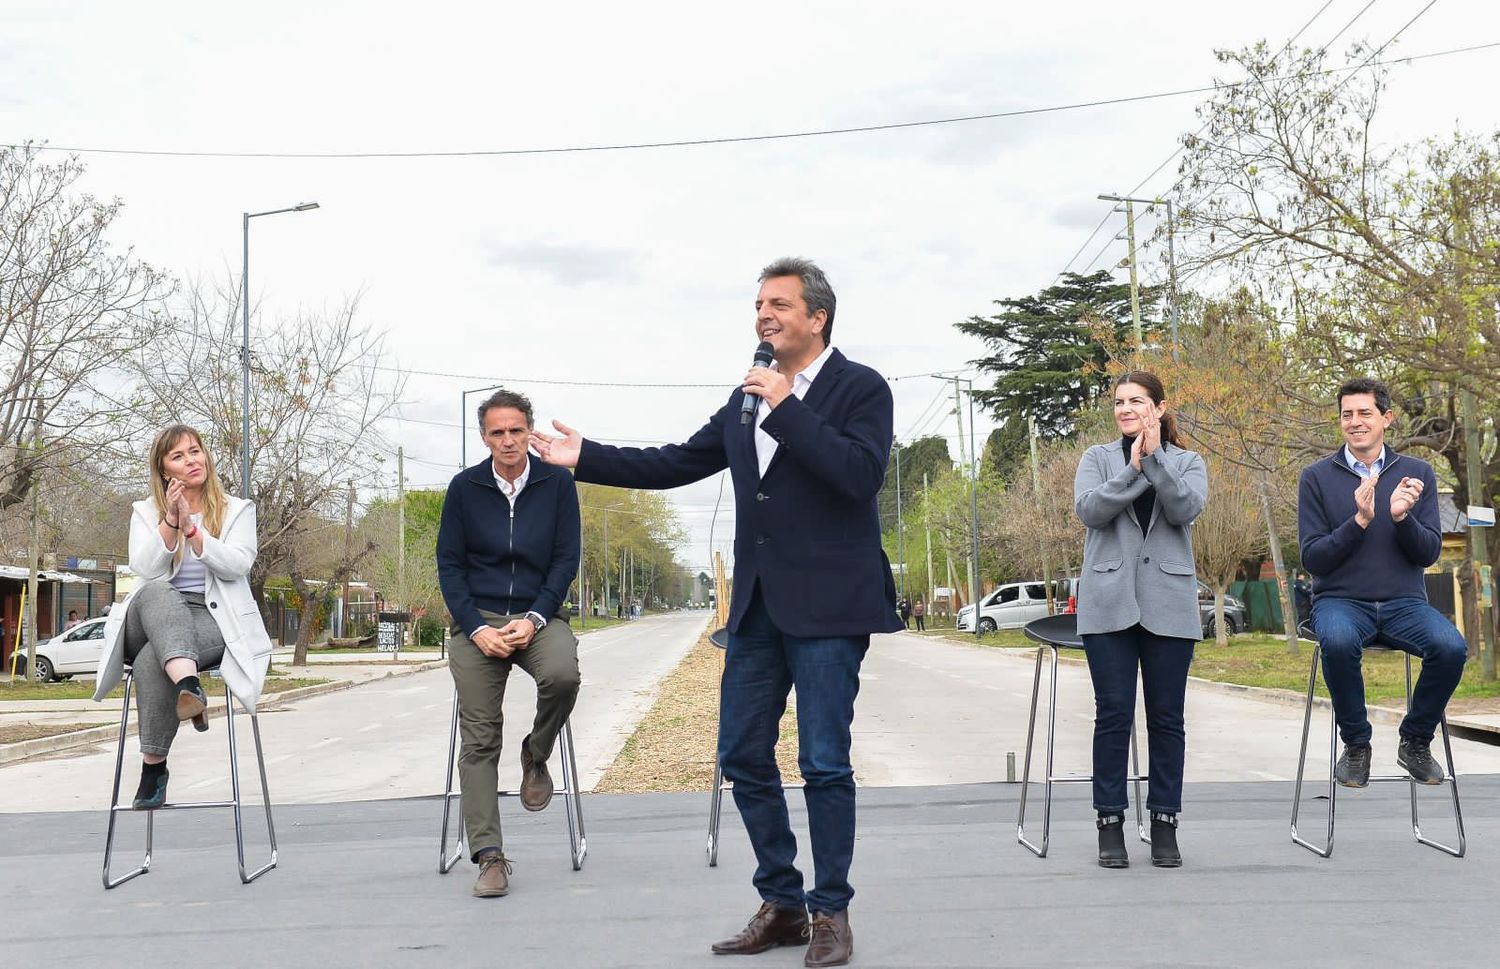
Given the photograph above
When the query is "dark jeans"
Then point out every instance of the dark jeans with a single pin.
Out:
(1346, 626)
(761, 666)
(1163, 662)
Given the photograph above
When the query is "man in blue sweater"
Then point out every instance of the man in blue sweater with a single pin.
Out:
(1367, 520)
(507, 550)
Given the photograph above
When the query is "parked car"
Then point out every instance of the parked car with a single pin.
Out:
(1236, 616)
(60, 658)
(1009, 607)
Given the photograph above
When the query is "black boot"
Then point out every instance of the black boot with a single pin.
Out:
(1164, 853)
(1112, 841)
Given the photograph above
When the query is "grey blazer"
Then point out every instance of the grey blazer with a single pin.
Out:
(1129, 577)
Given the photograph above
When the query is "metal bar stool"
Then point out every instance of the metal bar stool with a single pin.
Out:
(1326, 849)
(1054, 633)
(115, 807)
(720, 638)
(577, 841)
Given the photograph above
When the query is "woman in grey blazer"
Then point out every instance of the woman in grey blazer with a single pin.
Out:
(1138, 605)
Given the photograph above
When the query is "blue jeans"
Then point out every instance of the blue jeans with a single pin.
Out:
(1163, 662)
(1346, 626)
(761, 665)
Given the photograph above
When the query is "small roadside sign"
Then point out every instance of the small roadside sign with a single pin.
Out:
(1481, 517)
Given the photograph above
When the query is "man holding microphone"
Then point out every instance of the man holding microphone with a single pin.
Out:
(806, 441)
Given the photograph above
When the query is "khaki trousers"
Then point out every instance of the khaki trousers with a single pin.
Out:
(552, 660)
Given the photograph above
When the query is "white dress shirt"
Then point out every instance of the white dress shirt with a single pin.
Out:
(765, 444)
(1362, 469)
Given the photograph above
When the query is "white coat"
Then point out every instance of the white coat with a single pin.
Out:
(226, 592)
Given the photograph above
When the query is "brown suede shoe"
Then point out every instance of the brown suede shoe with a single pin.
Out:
(494, 875)
(832, 940)
(770, 927)
(536, 783)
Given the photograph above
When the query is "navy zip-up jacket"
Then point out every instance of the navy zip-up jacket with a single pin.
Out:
(1382, 561)
(491, 558)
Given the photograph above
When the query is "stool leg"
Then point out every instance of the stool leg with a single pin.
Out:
(715, 808)
(1326, 849)
(114, 800)
(1036, 687)
(1135, 776)
(1451, 780)
(234, 783)
(572, 799)
(445, 860)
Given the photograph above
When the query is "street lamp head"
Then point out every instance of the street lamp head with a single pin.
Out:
(305, 206)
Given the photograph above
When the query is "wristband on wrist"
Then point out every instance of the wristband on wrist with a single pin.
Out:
(190, 532)
(169, 524)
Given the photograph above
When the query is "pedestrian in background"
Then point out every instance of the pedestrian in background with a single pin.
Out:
(1138, 606)
(192, 546)
(919, 613)
(904, 607)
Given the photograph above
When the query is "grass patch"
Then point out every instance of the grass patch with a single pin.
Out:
(673, 747)
(1261, 659)
(16, 732)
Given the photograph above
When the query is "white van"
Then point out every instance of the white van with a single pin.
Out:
(1011, 606)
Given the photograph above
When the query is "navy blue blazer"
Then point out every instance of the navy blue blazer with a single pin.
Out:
(809, 531)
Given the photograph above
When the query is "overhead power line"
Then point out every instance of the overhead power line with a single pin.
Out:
(696, 142)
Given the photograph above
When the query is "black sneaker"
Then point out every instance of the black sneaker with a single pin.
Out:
(1415, 757)
(1353, 768)
(1112, 842)
(1164, 852)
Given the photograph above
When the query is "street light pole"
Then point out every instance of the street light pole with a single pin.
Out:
(245, 340)
(973, 463)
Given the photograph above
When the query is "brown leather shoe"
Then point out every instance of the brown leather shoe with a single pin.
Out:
(832, 940)
(770, 927)
(536, 783)
(494, 875)
(191, 704)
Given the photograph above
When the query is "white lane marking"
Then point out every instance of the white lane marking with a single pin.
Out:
(324, 742)
(368, 727)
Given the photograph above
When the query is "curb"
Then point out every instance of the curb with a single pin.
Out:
(13, 753)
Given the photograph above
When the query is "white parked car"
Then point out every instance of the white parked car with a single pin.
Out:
(1009, 607)
(76, 651)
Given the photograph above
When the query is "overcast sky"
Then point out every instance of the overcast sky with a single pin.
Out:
(640, 266)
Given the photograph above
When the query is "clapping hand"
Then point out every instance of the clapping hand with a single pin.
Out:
(1364, 501)
(1405, 495)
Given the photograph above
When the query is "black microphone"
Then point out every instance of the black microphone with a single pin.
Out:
(763, 356)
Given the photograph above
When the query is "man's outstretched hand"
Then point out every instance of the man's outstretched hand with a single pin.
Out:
(562, 448)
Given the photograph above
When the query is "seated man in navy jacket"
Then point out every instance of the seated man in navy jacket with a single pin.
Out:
(1367, 519)
(811, 583)
(507, 550)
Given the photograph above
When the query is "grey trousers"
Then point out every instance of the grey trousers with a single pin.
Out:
(552, 660)
(161, 624)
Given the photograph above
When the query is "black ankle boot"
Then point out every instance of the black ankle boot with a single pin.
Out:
(1112, 841)
(1164, 853)
(152, 793)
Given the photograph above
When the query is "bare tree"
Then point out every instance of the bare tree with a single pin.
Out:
(70, 307)
(1227, 533)
(320, 390)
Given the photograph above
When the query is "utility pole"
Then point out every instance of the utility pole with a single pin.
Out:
(348, 553)
(1036, 495)
(35, 551)
(1283, 589)
(900, 525)
(401, 541)
(1135, 292)
(927, 525)
(1477, 543)
(972, 462)
(606, 565)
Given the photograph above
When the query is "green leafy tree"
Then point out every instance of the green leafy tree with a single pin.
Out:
(1046, 359)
